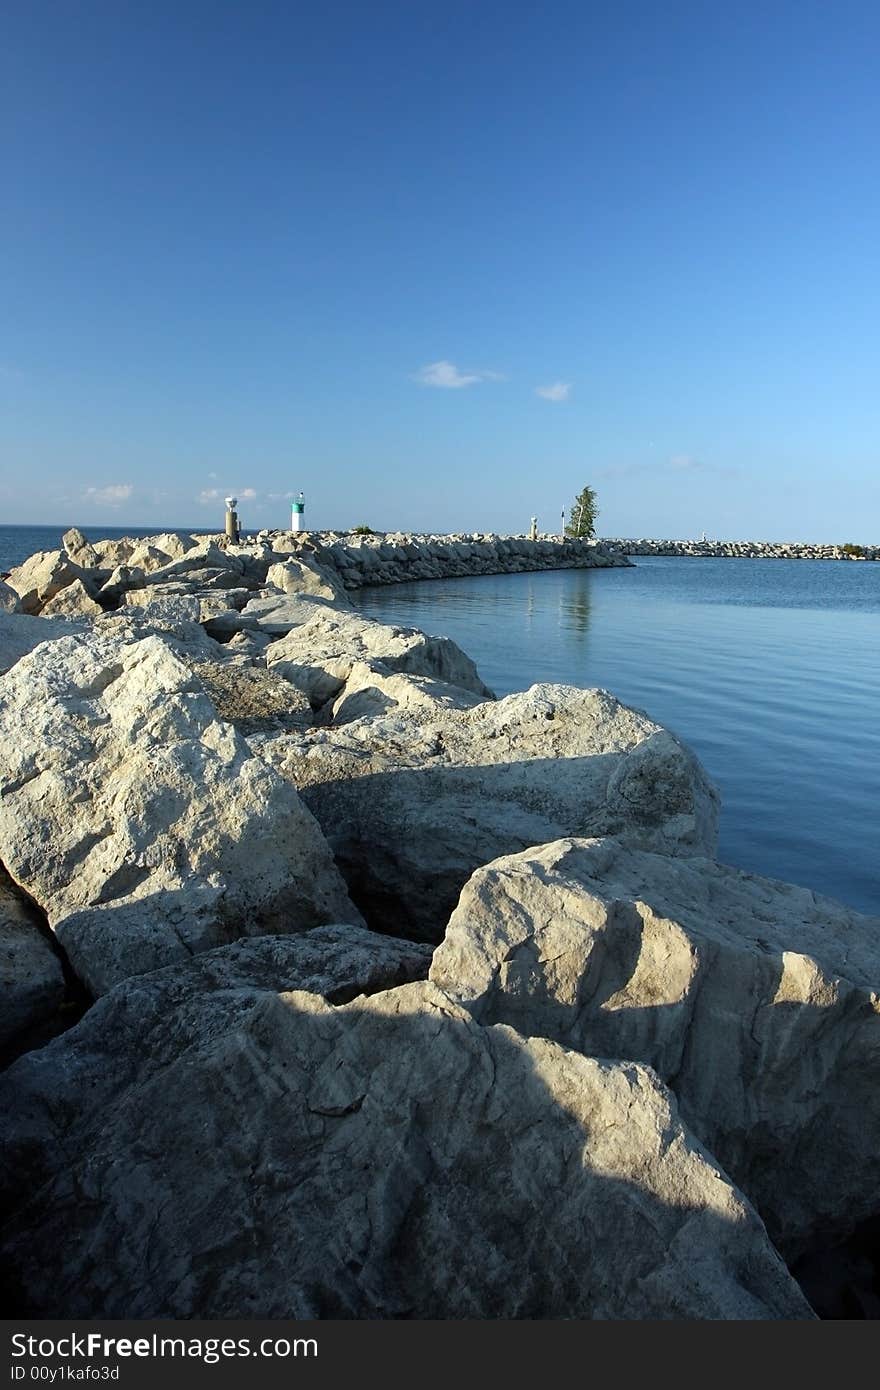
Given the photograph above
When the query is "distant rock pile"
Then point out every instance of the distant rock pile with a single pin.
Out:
(749, 550)
(240, 827)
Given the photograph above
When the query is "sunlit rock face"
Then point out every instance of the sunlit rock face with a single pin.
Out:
(142, 825)
(391, 1158)
(413, 803)
(756, 1001)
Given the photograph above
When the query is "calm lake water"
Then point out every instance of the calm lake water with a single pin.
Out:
(769, 669)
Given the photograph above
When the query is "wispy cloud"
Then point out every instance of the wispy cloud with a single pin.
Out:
(111, 496)
(678, 463)
(447, 375)
(558, 391)
(214, 494)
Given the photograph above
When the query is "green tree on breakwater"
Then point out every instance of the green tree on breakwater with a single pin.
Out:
(582, 517)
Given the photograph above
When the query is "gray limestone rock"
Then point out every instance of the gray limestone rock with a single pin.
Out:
(756, 1001)
(143, 826)
(73, 601)
(319, 655)
(43, 575)
(413, 804)
(241, 1153)
(21, 632)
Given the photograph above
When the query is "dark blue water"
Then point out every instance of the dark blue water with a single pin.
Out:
(18, 542)
(769, 669)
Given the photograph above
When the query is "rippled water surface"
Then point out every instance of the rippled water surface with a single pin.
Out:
(769, 669)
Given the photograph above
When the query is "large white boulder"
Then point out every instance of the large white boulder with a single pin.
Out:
(142, 825)
(79, 549)
(305, 576)
(43, 575)
(21, 632)
(318, 655)
(413, 804)
(241, 1153)
(73, 601)
(756, 1001)
(371, 690)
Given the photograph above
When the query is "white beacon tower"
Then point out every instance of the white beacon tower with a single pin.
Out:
(297, 508)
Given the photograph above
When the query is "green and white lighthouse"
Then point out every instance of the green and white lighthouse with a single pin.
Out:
(297, 508)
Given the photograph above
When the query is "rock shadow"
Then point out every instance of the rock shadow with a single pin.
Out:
(254, 1155)
(406, 841)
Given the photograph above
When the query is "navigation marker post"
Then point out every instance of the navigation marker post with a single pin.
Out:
(297, 507)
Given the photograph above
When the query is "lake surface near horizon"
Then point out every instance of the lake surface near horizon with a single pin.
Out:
(768, 669)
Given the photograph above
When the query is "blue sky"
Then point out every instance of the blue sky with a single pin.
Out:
(441, 265)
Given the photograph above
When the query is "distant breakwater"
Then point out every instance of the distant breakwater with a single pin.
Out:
(749, 550)
(397, 558)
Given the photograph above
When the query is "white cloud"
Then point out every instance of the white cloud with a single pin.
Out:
(209, 494)
(248, 493)
(446, 374)
(212, 475)
(111, 496)
(558, 391)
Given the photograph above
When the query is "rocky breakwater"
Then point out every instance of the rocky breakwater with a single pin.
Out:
(749, 550)
(398, 557)
(237, 818)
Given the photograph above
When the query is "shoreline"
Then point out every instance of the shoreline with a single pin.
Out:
(743, 550)
(293, 853)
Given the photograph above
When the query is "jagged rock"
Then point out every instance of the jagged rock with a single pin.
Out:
(247, 646)
(204, 555)
(370, 690)
(122, 580)
(21, 632)
(319, 655)
(73, 601)
(42, 576)
(338, 962)
(144, 827)
(156, 551)
(274, 613)
(168, 620)
(757, 1001)
(31, 977)
(304, 576)
(247, 1154)
(412, 805)
(79, 549)
(9, 600)
(162, 610)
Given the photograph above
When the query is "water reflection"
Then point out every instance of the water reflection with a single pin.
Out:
(575, 607)
(769, 671)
